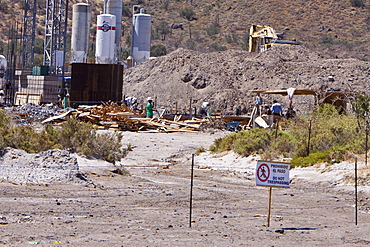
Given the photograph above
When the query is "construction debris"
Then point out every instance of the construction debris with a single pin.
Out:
(112, 115)
(34, 113)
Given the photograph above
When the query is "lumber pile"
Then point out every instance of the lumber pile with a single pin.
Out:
(112, 115)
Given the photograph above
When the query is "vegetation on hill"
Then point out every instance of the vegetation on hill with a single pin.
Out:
(333, 28)
(323, 135)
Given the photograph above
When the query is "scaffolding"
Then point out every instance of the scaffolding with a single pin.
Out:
(29, 26)
(55, 36)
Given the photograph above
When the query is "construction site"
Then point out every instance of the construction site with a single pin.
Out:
(149, 198)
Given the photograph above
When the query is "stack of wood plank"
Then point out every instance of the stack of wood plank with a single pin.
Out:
(112, 115)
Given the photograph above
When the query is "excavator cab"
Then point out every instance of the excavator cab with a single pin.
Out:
(263, 37)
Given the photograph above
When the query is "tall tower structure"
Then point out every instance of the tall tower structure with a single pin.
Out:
(28, 39)
(55, 36)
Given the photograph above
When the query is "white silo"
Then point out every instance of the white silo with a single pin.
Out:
(80, 32)
(141, 32)
(114, 7)
(105, 35)
(3, 63)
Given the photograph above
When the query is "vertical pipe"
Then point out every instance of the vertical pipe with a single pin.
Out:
(366, 140)
(191, 188)
(355, 190)
(269, 207)
(190, 110)
(309, 137)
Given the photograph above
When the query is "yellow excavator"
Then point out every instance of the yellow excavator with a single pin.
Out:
(262, 37)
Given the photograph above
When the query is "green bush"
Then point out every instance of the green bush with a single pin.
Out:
(75, 135)
(84, 139)
(333, 137)
(188, 13)
(217, 47)
(213, 30)
(157, 50)
(200, 150)
(357, 3)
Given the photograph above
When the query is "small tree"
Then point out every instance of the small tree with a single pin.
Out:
(361, 108)
(163, 29)
(357, 3)
(188, 13)
(157, 50)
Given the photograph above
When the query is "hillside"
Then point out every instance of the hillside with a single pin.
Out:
(332, 28)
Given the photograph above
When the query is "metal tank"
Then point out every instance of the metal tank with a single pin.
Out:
(3, 63)
(114, 7)
(80, 32)
(105, 36)
(141, 32)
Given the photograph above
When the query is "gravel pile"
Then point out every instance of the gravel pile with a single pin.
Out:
(49, 167)
(31, 112)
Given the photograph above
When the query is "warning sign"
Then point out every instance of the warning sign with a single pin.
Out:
(274, 174)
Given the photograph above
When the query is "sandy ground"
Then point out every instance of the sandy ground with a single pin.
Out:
(151, 206)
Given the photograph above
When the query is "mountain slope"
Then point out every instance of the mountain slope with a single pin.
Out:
(333, 28)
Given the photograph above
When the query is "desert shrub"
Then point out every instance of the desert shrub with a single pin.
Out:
(217, 47)
(84, 138)
(163, 29)
(74, 135)
(190, 44)
(4, 129)
(4, 7)
(334, 137)
(311, 159)
(165, 4)
(24, 137)
(327, 39)
(244, 142)
(107, 146)
(158, 50)
(188, 13)
(200, 150)
(232, 38)
(213, 30)
(357, 3)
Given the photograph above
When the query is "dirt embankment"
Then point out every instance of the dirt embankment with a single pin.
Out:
(225, 78)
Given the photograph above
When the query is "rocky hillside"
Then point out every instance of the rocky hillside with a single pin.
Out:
(225, 78)
(334, 28)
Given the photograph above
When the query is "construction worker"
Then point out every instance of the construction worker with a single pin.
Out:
(258, 103)
(2, 98)
(204, 109)
(149, 108)
(267, 109)
(276, 108)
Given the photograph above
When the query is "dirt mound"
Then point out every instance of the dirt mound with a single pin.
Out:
(49, 167)
(225, 78)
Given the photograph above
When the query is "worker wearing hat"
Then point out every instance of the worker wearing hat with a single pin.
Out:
(149, 108)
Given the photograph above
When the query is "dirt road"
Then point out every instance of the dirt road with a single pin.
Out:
(151, 207)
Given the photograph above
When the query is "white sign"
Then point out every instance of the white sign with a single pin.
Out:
(274, 174)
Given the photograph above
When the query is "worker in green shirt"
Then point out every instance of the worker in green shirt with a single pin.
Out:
(149, 108)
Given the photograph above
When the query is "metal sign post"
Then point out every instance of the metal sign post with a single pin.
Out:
(272, 174)
(191, 188)
(356, 191)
